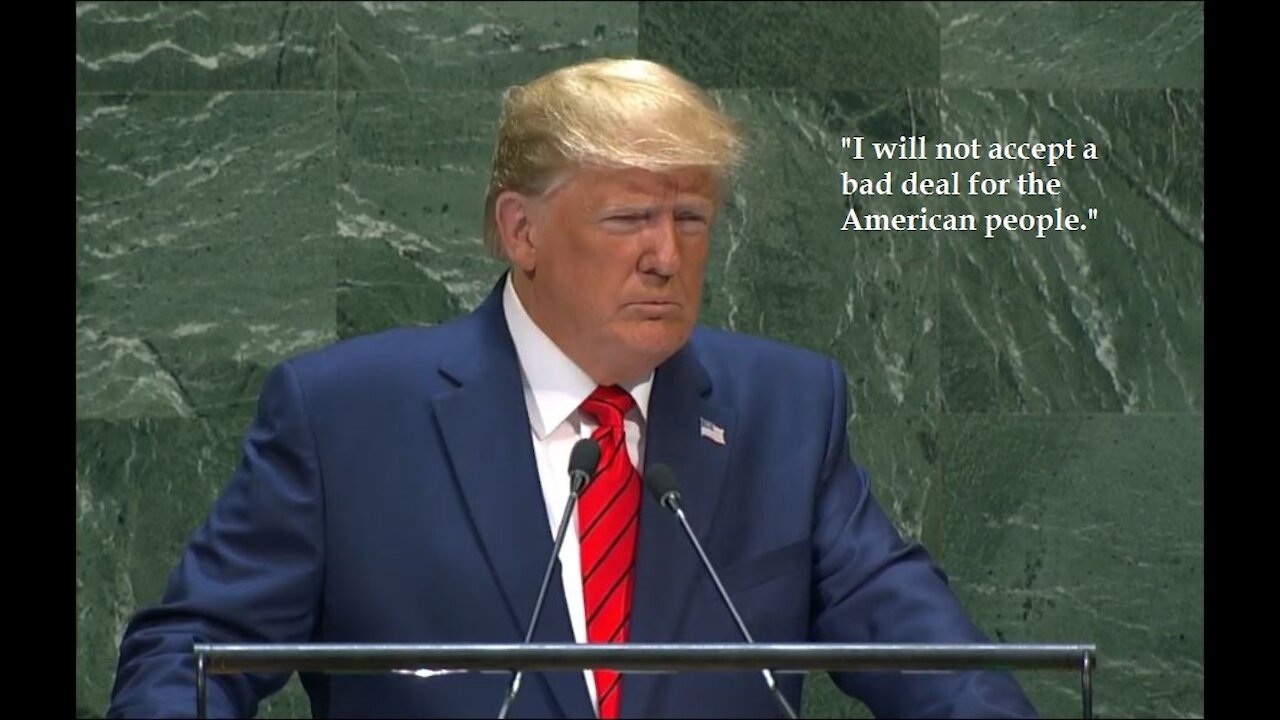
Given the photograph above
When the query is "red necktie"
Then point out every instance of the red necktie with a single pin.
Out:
(608, 523)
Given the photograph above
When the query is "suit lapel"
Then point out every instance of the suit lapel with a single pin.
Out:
(668, 573)
(501, 487)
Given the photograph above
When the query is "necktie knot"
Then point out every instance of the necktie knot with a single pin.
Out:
(608, 405)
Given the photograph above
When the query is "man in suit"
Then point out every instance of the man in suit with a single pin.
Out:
(405, 486)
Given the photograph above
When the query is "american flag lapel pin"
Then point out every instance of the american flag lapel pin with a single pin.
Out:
(711, 431)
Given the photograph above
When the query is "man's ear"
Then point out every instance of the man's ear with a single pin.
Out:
(513, 214)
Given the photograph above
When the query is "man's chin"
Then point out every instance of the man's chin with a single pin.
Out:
(657, 342)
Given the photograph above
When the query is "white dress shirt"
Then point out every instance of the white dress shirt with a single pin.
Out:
(554, 388)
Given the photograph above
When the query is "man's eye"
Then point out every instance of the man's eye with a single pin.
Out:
(630, 221)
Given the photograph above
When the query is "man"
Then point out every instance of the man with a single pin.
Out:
(404, 487)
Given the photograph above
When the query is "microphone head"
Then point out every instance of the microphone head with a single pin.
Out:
(583, 460)
(661, 481)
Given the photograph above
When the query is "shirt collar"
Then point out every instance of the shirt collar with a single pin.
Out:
(555, 386)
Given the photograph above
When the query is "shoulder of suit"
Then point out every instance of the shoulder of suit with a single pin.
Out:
(398, 352)
(724, 351)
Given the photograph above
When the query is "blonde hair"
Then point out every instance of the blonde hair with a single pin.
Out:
(607, 113)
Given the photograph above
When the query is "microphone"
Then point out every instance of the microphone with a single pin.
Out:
(582, 465)
(661, 482)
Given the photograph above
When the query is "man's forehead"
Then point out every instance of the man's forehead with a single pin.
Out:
(696, 181)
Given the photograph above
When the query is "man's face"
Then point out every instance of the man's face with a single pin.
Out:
(615, 273)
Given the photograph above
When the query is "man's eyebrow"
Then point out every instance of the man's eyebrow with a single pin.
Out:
(700, 204)
(625, 206)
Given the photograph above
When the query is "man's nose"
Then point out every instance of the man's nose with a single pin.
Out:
(662, 251)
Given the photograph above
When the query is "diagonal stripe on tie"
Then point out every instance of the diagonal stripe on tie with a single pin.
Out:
(617, 680)
(595, 521)
(606, 554)
(586, 578)
(617, 635)
(604, 601)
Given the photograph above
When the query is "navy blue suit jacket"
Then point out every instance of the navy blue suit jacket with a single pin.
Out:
(388, 493)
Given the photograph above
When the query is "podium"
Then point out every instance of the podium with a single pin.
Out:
(647, 658)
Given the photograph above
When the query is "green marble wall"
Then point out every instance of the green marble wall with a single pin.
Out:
(257, 179)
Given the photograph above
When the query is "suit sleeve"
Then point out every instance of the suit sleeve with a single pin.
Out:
(872, 587)
(251, 574)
